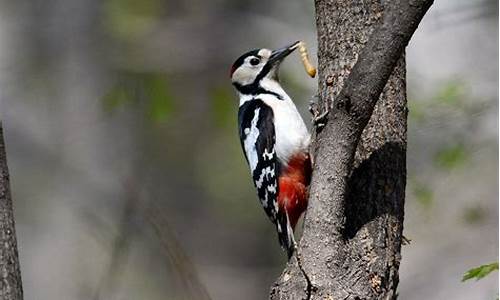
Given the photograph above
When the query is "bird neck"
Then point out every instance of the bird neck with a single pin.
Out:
(263, 88)
(273, 86)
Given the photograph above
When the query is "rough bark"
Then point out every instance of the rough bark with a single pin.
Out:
(10, 274)
(350, 247)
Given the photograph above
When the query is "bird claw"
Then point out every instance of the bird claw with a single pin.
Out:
(405, 240)
(313, 107)
(318, 118)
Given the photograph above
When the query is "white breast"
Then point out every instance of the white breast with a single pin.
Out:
(291, 131)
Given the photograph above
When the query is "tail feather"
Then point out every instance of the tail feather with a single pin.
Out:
(285, 234)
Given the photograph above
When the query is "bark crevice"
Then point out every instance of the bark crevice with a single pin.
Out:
(309, 285)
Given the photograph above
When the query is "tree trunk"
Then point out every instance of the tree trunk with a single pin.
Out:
(350, 248)
(10, 281)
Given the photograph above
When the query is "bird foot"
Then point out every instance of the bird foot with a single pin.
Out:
(313, 106)
(320, 120)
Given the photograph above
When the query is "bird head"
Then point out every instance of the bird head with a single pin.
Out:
(256, 65)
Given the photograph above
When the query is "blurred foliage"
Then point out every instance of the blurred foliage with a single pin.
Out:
(233, 199)
(116, 97)
(451, 157)
(152, 89)
(450, 93)
(159, 97)
(416, 111)
(224, 107)
(129, 18)
(474, 214)
(480, 272)
(423, 193)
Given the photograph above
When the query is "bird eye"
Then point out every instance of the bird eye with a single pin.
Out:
(254, 61)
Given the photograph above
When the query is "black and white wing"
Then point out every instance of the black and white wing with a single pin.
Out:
(257, 136)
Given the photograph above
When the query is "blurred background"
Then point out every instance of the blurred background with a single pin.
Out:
(127, 175)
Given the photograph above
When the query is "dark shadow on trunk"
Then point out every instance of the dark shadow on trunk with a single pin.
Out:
(376, 188)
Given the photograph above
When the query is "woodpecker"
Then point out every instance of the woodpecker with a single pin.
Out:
(274, 138)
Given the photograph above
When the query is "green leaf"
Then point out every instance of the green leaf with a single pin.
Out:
(480, 272)
(451, 157)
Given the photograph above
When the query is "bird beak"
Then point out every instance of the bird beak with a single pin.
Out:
(278, 55)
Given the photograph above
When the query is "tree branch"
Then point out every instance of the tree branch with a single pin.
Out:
(328, 256)
(10, 274)
(354, 105)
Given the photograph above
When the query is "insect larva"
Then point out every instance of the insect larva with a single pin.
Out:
(305, 60)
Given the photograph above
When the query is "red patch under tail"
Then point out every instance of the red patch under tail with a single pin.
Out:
(293, 184)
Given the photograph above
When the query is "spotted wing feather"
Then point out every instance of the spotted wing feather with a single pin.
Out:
(257, 135)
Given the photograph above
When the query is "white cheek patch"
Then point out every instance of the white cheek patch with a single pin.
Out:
(244, 75)
(247, 73)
